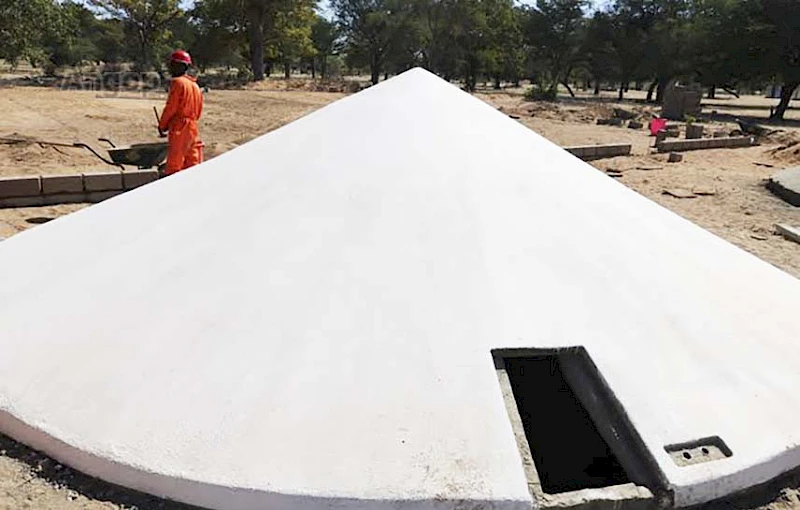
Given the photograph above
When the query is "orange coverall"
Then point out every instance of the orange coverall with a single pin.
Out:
(180, 116)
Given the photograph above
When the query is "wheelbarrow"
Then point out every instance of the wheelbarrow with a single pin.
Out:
(141, 155)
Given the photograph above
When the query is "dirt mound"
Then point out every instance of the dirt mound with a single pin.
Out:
(308, 85)
(788, 151)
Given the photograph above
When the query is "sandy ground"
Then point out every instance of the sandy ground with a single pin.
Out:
(731, 202)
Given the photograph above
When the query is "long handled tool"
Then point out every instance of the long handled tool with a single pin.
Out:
(158, 122)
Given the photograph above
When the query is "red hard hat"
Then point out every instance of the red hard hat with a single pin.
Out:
(181, 56)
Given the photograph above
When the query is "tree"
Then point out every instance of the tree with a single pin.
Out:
(553, 31)
(504, 54)
(631, 23)
(600, 61)
(325, 38)
(289, 39)
(723, 37)
(147, 20)
(23, 26)
(368, 32)
(782, 30)
(220, 33)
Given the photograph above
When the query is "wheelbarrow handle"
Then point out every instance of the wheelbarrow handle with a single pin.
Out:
(104, 160)
(109, 142)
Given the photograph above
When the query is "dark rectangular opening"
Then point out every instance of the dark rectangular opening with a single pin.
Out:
(568, 451)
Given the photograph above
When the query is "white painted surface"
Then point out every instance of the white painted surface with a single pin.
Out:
(306, 321)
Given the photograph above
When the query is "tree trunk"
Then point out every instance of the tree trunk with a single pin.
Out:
(255, 33)
(287, 70)
(313, 69)
(621, 95)
(731, 92)
(597, 87)
(566, 84)
(497, 83)
(385, 76)
(662, 87)
(650, 91)
(375, 70)
(712, 92)
(786, 96)
(144, 46)
(268, 68)
(323, 67)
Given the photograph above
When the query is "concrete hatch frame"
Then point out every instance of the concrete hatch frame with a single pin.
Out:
(643, 485)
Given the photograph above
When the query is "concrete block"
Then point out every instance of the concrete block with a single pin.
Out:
(600, 151)
(52, 184)
(789, 232)
(136, 178)
(786, 185)
(64, 198)
(21, 202)
(110, 181)
(99, 196)
(674, 157)
(707, 143)
(575, 151)
(613, 150)
(694, 131)
(20, 187)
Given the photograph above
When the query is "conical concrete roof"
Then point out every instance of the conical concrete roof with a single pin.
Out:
(307, 321)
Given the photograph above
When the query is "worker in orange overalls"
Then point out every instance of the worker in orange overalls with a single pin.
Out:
(180, 116)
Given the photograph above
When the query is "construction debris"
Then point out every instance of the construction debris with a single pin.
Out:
(674, 157)
(635, 125)
(700, 191)
(619, 113)
(751, 128)
(679, 193)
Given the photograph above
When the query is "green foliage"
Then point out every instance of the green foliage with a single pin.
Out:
(539, 93)
(325, 37)
(553, 32)
(220, 38)
(146, 22)
(84, 38)
(367, 26)
(24, 25)
(289, 39)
